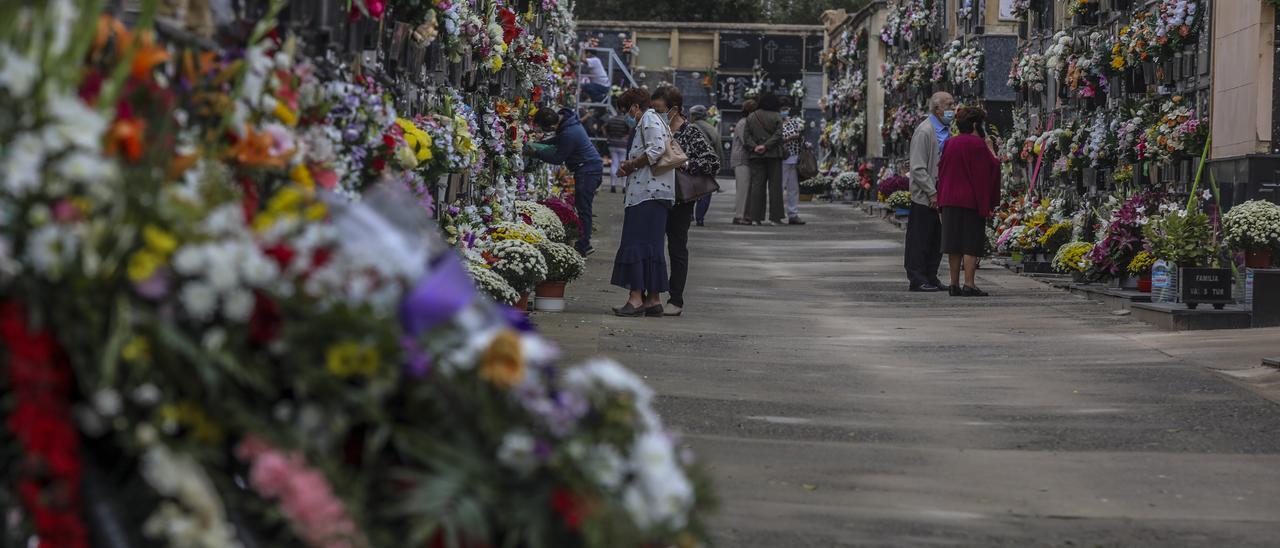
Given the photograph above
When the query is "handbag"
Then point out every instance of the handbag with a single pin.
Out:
(691, 188)
(807, 166)
(672, 158)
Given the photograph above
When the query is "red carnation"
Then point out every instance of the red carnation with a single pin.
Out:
(570, 508)
(509, 29)
(265, 324)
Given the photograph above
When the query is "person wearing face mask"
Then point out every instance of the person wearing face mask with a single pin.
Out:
(792, 141)
(923, 253)
(703, 160)
(640, 266)
(571, 146)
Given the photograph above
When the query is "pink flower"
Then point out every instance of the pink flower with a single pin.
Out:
(317, 516)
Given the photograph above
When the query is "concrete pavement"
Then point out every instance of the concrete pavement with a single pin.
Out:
(837, 409)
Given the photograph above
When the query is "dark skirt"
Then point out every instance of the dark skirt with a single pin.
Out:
(641, 263)
(964, 232)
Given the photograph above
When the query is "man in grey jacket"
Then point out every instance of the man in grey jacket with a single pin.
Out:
(924, 229)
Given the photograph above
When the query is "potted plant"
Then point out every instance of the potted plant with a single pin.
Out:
(845, 184)
(900, 201)
(1254, 228)
(816, 185)
(1185, 238)
(1140, 267)
(520, 264)
(491, 284)
(1070, 259)
(568, 217)
(564, 264)
(544, 219)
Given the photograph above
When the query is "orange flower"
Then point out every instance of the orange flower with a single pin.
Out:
(254, 149)
(147, 57)
(126, 134)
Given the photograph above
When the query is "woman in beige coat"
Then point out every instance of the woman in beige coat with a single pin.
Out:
(741, 170)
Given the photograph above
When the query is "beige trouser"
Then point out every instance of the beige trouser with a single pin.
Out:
(742, 178)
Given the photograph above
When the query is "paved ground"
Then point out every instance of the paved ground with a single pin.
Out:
(837, 409)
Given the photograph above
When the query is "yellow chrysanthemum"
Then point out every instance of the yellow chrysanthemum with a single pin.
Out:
(143, 264)
(351, 359)
(158, 241)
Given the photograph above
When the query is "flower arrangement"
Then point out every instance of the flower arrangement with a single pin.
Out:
(1072, 257)
(1028, 71)
(1021, 8)
(1252, 226)
(1081, 7)
(1141, 263)
(518, 262)
(893, 183)
(1059, 50)
(524, 232)
(899, 200)
(1177, 131)
(1055, 237)
(1176, 22)
(818, 184)
(1183, 236)
(564, 263)
(963, 64)
(491, 284)
(1121, 235)
(568, 218)
(542, 218)
(193, 303)
(846, 182)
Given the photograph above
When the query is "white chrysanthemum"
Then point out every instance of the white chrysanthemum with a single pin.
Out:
(237, 305)
(23, 163)
(199, 300)
(17, 72)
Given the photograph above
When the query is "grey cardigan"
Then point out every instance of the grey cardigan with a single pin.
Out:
(925, 155)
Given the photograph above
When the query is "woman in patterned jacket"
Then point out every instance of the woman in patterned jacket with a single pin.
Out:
(703, 160)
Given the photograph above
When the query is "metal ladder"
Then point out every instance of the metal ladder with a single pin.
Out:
(612, 64)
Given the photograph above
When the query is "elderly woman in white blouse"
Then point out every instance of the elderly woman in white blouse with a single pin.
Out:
(641, 265)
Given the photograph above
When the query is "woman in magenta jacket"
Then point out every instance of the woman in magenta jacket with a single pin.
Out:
(968, 190)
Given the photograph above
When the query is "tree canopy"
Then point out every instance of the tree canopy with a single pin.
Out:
(796, 12)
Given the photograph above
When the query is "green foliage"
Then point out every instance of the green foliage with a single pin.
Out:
(1182, 236)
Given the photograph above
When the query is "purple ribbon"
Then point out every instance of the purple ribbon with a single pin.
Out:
(438, 297)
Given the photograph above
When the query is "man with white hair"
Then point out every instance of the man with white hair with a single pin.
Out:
(924, 229)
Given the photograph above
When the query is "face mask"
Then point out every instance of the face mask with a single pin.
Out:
(948, 116)
(666, 117)
(631, 121)
(786, 114)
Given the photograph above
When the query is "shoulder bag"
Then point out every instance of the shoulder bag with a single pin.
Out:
(807, 166)
(691, 188)
(673, 157)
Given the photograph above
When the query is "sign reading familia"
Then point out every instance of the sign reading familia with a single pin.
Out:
(1206, 285)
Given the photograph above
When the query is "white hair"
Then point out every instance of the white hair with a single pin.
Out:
(935, 101)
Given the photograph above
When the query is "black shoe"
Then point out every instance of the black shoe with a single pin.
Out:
(924, 288)
(628, 311)
(613, 190)
(654, 311)
(973, 292)
(700, 223)
(955, 291)
(796, 221)
(586, 252)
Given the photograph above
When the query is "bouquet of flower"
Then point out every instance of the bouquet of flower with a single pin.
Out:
(1176, 22)
(564, 263)
(1072, 257)
(518, 262)
(899, 200)
(963, 64)
(1142, 262)
(893, 183)
(1028, 71)
(1183, 236)
(542, 218)
(491, 284)
(1177, 131)
(1059, 50)
(818, 184)
(524, 232)
(1021, 8)
(1252, 226)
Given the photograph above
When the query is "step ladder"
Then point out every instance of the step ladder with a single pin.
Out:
(612, 66)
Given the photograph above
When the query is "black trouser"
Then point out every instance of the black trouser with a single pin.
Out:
(584, 193)
(678, 249)
(924, 245)
(766, 176)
